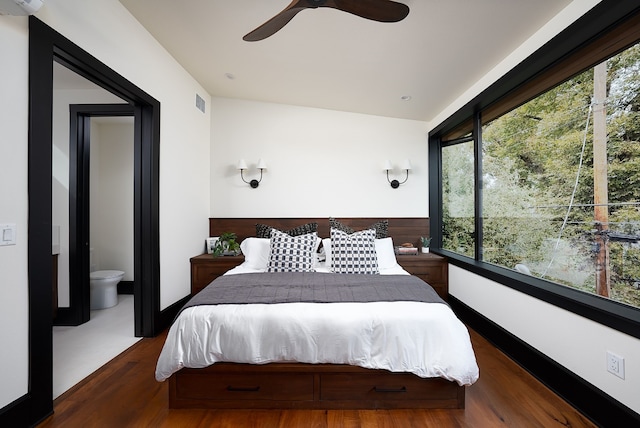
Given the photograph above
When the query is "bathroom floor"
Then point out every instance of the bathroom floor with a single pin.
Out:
(79, 351)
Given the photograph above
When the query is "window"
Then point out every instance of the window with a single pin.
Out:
(546, 197)
(541, 165)
(458, 200)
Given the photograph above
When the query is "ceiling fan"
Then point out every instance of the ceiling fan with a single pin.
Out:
(376, 10)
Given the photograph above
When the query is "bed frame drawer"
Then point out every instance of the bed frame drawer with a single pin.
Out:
(383, 387)
(234, 387)
(308, 386)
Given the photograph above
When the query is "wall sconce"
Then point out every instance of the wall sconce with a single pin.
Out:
(242, 165)
(406, 165)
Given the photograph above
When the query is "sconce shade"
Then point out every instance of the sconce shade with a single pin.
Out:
(242, 166)
(406, 166)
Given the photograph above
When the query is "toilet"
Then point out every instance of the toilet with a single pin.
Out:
(104, 288)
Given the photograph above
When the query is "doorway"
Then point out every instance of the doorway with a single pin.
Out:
(93, 193)
(46, 46)
(79, 222)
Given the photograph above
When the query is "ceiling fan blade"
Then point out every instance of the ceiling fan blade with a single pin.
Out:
(376, 10)
(272, 26)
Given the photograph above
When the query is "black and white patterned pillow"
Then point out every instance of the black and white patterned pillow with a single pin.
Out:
(291, 253)
(381, 227)
(264, 231)
(354, 252)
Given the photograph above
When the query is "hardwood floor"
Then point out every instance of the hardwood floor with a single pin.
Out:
(124, 393)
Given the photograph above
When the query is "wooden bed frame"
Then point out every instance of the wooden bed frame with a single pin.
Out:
(311, 386)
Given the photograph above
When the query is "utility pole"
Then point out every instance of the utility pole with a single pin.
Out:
(600, 184)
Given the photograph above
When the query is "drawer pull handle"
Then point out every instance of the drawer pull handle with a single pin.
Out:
(241, 389)
(402, 389)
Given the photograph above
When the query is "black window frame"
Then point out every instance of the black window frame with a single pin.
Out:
(591, 27)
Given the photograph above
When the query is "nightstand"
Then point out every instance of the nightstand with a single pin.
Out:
(429, 267)
(205, 268)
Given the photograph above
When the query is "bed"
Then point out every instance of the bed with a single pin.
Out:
(310, 337)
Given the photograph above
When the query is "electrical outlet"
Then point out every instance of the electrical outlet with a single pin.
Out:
(615, 364)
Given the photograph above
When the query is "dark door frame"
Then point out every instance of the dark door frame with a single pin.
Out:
(46, 46)
(80, 116)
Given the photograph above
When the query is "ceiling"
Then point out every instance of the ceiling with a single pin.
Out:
(330, 59)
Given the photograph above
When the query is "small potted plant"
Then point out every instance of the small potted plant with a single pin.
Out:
(424, 243)
(226, 245)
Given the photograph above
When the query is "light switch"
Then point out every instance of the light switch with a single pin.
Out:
(8, 234)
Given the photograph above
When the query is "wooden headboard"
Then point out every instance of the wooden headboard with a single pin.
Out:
(401, 229)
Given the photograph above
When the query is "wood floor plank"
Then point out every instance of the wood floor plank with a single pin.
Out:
(303, 418)
(124, 393)
(344, 418)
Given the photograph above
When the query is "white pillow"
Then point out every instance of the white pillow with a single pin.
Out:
(326, 244)
(386, 254)
(256, 252)
(316, 262)
(384, 249)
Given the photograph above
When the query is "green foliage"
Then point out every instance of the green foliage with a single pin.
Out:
(425, 241)
(226, 245)
(505, 243)
(458, 234)
(458, 199)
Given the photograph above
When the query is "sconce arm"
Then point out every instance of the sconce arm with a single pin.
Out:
(395, 183)
(253, 183)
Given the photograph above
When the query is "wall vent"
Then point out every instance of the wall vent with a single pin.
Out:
(200, 103)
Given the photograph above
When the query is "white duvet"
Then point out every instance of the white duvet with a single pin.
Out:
(426, 339)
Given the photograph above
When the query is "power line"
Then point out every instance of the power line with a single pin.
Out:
(611, 204)
(573, 194)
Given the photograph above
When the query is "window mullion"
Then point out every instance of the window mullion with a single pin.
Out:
(477, 149)
(435, 191)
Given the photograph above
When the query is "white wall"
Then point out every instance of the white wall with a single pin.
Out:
(575, 342)
(321, 163)
(106, 30)
(112, 196)
(13, 209)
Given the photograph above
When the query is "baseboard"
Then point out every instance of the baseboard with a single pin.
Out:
(66, 317)
(20, 413)
(166, 316)
(125, 287)
(592, 402)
